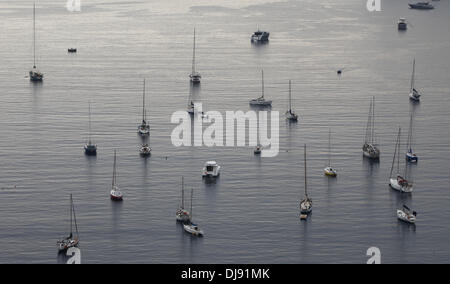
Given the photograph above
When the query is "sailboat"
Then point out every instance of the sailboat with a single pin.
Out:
(35, 74)
(182, 214)
(90, 148)
(329, 170)
(397, 181)
(407, 215)
(413, 93)
(290, 114)
(261, 101)
(145, 150)
(192, 228)
(370, 149)
(144, 128)
(306, 203)
(410, 155)
(195, 76)
(116, 194)
(70, 241)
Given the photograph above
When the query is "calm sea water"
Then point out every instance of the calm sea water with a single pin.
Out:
(250, 215)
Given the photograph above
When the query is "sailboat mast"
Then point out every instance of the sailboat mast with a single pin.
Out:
(89, 123)
(34, 35)
(329, 147)
(306, 192)
(409, 142)
(193, 56)
(369, 123)
(372, 138)
(143, 103)
(398, 150)
(413, 75)
(262, 80)
(290, 97)
(192, 194)
(71, 208)
(114, 171)
(75, 219)
(182, 192)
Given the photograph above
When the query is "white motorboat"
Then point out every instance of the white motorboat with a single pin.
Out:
(190, 227)
(71, 241)
(261, 101)
(182, 214)
(406, 215)
(145, 150)
(414, 94)
(194, 76)
(90, 148)
(329, 170)
(306, 203)
(370, 149)
(211, 169)
(35, 74)
(144, 127)
(290, 114)
(115, 194)
(399, 182)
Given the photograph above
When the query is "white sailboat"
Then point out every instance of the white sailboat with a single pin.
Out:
(406, 215)
(71, 241)
(410, 155)
(35, 74)
(195, 76)
(182, 214)
(370, 149)
(290, 114)
(329, 170)
(413, 93)
(144, 127)
(261, 101)
(145, 150)
(90, 148)
(397, 181)
(306, 203)
(115, 194)
(192, 228)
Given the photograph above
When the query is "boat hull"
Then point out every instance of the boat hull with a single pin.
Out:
(90, 150)
(191, 230)
(394, 184)
(330, 172)
(411, 158)
(414, 97)
(402, 216)
(370, 151)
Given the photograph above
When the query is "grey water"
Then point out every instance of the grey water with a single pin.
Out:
(251, 213)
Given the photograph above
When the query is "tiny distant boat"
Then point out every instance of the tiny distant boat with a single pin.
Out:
(306, 203)
(195, 76)
(406, 215)
(339, 72)
(71, 241)
(145, 150)
(414, 94)
(421, 6)
(261, 101)
(410, 155)
(260, 37)
(35, 74)
(370, 149)
(211, 169)
(192, 228)
(258, 150)
(144, 127)
(290, 114)
(72, 50)
(182, 214)
(90, 148)
(115, 194)
(402, 25)
(329, 170)
(397, 181)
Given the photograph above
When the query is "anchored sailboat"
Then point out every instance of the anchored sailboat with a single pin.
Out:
(182, 214)
(370, 149)
(90, 148)
(116, 194)
(306, 203)
(397, 181)
(413, 93)
(410, 155)
(192, 228)
(329, 170)
(144, 128)
(261, 101)
(195, 76)
(70, 241)
(290, 114)
(35, 74)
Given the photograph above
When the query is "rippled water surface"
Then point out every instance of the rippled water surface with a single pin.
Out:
(250, 214)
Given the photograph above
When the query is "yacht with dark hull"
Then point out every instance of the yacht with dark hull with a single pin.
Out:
(421, 6)
(260, 37)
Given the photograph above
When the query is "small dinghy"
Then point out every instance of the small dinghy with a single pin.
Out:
(290, 114)
(261, 101)
(329, 170)
(182, 214)
(397, 181)
(260, 37)
(211, 170)
(192, 228)
(406, 215)
(145, 150)
(306, 203)
(72, 50)
(257, 150)
(71, 241)
(144, 127)
(115, 194)
(370, 149)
